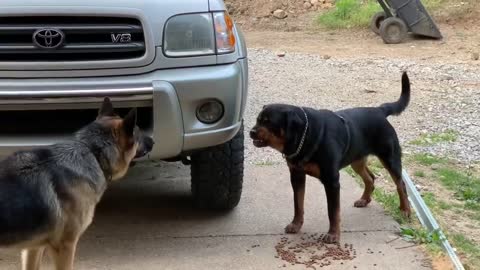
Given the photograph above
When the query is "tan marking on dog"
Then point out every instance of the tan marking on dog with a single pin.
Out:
(360, 167)
(271, 139)
(402, 192)
(310, 168)
(127, 147)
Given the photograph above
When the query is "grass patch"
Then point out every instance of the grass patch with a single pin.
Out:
(444, 205)
(265, 163)
(464, 185)
(434, 204)
(419, 174)
(421, 235)
(430, 199)
(350, 171)
(433, 4)
(472, 205)
(358, 13)
(390, 203)
(447, 136)
(349, 14)
(467, 248)
(375, 166)
(474, 216)
(428, 159)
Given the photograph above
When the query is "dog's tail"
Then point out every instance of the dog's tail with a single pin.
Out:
(396, 108)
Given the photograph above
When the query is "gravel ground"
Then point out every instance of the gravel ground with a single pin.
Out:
(444, 96)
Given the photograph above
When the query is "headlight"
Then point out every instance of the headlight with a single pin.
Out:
(189, 35)
(199, 34)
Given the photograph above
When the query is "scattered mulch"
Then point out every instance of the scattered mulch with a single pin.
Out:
(312, 252)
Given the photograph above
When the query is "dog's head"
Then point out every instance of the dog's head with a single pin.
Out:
(115, 141)
(278, 126)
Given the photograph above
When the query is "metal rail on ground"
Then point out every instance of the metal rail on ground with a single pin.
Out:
(428, 221)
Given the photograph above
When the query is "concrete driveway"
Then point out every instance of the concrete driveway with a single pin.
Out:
(147, 222)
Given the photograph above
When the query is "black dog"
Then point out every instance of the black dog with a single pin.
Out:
(321, 142)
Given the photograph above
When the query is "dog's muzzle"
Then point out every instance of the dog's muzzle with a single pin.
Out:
(145, 146)
(257, 142)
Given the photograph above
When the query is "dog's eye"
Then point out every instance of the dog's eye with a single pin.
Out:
(263, 120)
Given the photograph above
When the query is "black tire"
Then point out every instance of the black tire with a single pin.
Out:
(393, 30)
(217, 174)
(376, 21)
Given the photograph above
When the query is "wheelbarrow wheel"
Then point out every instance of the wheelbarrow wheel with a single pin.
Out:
(376, 21)
(393, 30)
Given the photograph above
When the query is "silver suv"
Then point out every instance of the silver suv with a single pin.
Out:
(183, 63)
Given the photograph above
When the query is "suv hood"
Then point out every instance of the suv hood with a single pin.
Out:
(140, 4)
(152, 13)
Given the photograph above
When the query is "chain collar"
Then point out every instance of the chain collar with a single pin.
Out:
(302, 141)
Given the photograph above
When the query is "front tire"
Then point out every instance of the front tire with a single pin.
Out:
(217, 174)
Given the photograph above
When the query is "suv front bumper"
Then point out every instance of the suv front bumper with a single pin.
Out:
(173, 94)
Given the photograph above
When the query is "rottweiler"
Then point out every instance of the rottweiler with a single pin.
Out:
(321, 142)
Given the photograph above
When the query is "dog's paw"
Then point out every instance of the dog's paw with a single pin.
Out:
(331, 238)
(406, 213)
(361, 203)
(293, 227)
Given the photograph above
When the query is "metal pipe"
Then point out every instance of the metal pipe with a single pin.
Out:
(426, 218)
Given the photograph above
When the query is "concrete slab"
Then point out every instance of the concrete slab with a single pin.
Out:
(148, 222)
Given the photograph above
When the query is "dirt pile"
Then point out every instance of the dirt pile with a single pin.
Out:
(275, 13)
(298, 15)
(266, 8)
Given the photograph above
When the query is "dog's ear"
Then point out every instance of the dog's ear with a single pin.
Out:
(106, 109)
(294, 127)
(130, 121)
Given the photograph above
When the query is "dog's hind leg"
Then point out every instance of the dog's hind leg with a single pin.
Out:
(32, 258)
(393, 164)
(360, 167)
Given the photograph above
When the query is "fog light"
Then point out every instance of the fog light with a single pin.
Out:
(210, 112)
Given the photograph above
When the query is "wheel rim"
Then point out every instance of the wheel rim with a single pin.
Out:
(394, 31)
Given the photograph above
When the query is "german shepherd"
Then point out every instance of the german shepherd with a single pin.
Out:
(48, 195)
(321, 142)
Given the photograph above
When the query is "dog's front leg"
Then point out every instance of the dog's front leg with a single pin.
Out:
(332, 190)
(64, 254)
(297, 179)
(32, 258)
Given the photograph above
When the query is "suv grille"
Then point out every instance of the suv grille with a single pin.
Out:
(39, 123)
(75, 38)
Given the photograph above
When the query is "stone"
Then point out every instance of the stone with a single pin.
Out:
(435, 167)
(307, 5)
(327, 6)
(475, 56)
(280, 14)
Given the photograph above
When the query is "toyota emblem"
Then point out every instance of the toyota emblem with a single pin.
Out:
(48, 38)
